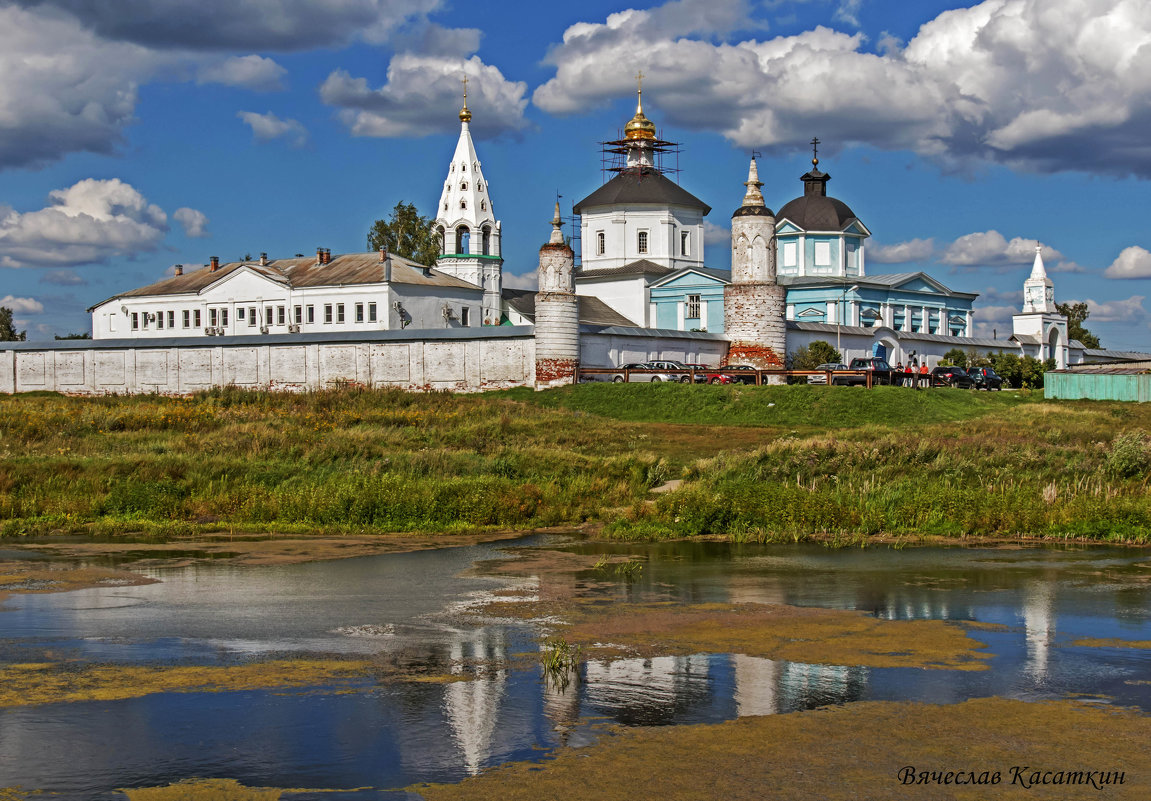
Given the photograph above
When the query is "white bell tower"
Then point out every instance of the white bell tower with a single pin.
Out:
(466, 223)
(1040, 328)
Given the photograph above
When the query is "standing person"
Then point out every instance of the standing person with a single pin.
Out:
(923, 374)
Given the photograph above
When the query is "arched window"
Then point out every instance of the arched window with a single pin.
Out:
(463, 203)
(601, 244)
(642, 242)
(487, 241)
(480, 186)
(464, 186)
(483, 205)
(463, 167)
(443, 237)
(445, 205)
(463, 240)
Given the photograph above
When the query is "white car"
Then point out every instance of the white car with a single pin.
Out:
(654, 378)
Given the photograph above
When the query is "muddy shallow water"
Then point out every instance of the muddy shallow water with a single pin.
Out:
(449, 690)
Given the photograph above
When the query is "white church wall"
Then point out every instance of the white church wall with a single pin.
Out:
(456, 360)
(627, 295)
(621, 226)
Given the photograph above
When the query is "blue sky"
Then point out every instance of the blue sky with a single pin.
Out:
(144, 133)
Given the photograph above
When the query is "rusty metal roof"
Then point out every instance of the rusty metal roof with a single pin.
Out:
(353, 268)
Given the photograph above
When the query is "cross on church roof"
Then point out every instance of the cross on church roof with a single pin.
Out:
(815, 151)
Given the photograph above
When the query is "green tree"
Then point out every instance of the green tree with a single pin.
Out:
(406, 234)
(84, 335)
(1076, 314)
(808, 357)
(1009, 368)
(8, 331)
(954, 357)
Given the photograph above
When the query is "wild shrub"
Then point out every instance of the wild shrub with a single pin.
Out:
(1130, 455)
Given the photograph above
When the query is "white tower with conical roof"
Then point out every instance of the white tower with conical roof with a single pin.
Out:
(466, 223)
(754, 303)
(1040, 328)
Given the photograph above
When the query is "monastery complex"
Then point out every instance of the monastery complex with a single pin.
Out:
(640, 290)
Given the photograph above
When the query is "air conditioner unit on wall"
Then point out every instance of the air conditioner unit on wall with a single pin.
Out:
(293, 328)
(263, 329)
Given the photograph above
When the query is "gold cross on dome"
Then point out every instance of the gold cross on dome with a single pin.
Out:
(465, 80)
(639, 79)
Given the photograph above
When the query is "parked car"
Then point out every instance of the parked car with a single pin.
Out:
(822, 379)
(732, 374)
(881, 372)
(701, 371)
(986, 378)
(944, 376)
(673, 367)
(654, 378)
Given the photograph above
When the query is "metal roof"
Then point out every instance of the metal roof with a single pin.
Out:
(643, 185)
(641, 267)
(592, 311)
(887, 280)
(348, 269)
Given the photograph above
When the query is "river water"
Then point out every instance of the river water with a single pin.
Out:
(403, 610)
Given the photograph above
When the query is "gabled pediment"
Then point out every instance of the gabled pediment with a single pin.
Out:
(811, 312)
(787, 227)
(689, 277)
(246, 274)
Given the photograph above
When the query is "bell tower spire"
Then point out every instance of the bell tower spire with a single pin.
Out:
(466, 223)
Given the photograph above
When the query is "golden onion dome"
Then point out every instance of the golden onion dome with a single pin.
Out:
(465, 115)
(639, 126)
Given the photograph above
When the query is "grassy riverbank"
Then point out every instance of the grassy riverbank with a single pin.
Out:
(759, 463)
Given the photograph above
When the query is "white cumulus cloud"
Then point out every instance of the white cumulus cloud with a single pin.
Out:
(1129, 310)
(1133, 262)
(901, 252)
(251, 72)
(91, 221)
(1046, 85)
(421, 97)
(266, 127)
(194, 223)
(22, 305)
(992, 249)
(528, 280)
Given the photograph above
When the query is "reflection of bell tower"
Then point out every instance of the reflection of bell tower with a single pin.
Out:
(1039, 627)
(756, 680)
(466, 223)
(473, 706)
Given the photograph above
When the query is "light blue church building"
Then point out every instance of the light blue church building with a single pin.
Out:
(820, 258)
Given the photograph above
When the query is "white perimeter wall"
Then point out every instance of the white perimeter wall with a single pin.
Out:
(613, 347)
(464, 364)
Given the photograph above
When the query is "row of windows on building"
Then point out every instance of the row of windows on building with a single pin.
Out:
(641, 243)
(219, 317)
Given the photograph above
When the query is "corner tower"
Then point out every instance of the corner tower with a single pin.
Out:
(753, 303)
(466, 224)
(557, 313)
(1040, 328)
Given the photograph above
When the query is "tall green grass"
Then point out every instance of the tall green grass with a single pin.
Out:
(821, 462)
